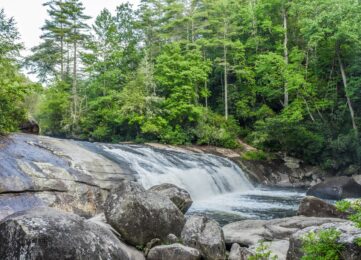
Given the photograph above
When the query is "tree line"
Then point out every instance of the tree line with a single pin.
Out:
(282, 75)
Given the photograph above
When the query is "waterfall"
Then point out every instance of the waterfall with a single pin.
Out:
(202, 175)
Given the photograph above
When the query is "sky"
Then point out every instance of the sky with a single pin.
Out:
(30, 15)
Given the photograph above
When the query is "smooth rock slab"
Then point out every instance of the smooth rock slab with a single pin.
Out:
(249, 232)
(140, 216)
(348, 237)
(206, 235)
(45, 233)
(173, 252)
(180, 197)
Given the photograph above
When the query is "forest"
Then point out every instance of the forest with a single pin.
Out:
(283, 76)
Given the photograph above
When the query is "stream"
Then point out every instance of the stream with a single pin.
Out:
(218, 186)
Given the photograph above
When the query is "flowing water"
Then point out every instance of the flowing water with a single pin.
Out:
(218, 186)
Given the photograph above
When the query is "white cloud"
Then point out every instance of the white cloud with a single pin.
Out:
(31, 14)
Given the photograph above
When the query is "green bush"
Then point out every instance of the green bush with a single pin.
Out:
(213, 129)
(322, 245)
(256, 155)
(263, 253)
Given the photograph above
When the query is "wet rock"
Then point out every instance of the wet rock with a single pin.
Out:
(180, 197)
(173, 252)
(348, 237)
(314, 207)
(206, 235)
(239, 253)
(336, 188)
(45, 233)
(250, 232)
(140, 215)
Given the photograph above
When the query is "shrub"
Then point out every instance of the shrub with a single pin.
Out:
(256, 155)
(263, 253)
(322, 245)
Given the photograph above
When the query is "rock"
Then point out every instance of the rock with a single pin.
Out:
(172, 239)
(206, 235)
(39, 171)
(30, 126)
(239, 253)
(336, 188)
(357, 178)
(45, 233)
(180, 197)
(349, 234)
(173, 252)
(249, 232)
(314, 207)
(140, 215)
(154, 242)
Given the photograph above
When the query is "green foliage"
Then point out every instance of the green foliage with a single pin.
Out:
(263, 253)
(354, 208)
(290, 69)
(256, 155)
(213, 129)
(53, 110)
(322, 245)
(13, 86)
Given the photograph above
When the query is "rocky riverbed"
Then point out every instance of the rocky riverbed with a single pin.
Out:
(62, 200)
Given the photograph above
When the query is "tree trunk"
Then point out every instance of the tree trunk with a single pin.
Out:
(285, 50)
(74, 86)
(349, 103)
(225, 73)
(62, 58)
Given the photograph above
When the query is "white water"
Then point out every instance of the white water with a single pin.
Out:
(217, 185)
(202, 175)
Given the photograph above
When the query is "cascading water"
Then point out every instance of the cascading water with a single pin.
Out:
(202, 175)
(218, 186)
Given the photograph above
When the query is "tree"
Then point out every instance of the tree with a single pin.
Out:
(13, 85)
(77, 35)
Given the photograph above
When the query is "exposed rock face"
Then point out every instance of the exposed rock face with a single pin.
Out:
(180, 197)
(140, 215)
(37, 171)
(174, 252)
(314, 207)
(206, 235)
(282, 172)
(44, 233)
(248, 233)
(349, 233)
(239, 253)
(336, 188)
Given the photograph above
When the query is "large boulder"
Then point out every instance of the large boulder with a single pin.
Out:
(206, 235)
(250, 232)
(45, 233)
(173, 252)
(314, 207)
(140, 216)
(336, 188)
(180, 197)
(349, 235)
